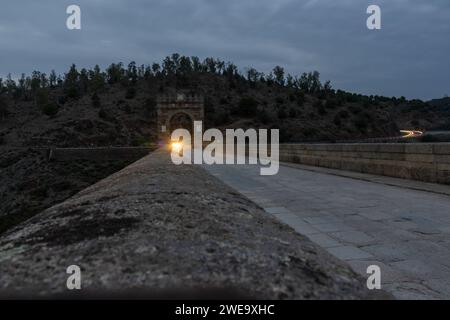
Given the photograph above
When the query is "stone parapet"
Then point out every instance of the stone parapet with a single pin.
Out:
(429, 162)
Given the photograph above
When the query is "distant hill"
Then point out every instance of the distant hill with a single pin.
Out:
(431, 115)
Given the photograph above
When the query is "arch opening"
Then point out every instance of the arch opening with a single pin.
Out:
(181, 120)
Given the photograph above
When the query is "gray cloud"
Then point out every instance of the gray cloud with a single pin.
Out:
(409, 56)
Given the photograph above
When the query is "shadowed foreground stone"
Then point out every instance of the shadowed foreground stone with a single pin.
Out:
(156, 230)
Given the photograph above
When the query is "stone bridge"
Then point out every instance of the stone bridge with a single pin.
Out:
(157, 230)
(163, 230)
(429, 162)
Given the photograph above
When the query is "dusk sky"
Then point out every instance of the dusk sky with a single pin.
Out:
(409, 56)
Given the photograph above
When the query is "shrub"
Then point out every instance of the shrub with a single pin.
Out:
(42, 98)
(321, 95)
(322, 111)
(50, 109)
(263, 116)
(138, 141)
(343, 114)
(292, 113)
(282, 113)
(3, 108)
(355, 109)
(309, 132)
(130, 93)
(127, 109)
(317, 104)
(96, 100)
(361, 123)
(337, 120)
(150, 106)
(339, 101)
(62, 185)
(248, 106)
(279, 100)
(40, 192)
(352, 97)
(61, 100)
(102, 114)
(331, 104)
(72, 93)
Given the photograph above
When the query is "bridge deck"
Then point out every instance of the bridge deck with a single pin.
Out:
(404, 231)
(157, 230)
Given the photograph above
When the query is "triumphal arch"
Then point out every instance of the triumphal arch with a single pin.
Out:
(178, 110)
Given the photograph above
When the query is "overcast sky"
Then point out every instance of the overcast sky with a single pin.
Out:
(409, 56)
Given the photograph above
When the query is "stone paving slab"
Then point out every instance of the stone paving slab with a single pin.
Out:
(353, 237)
(423, 269)
(404, 226)
(332, 227)
(321, 220)
(389, 274)
(388, 252)
(323, 240)
(296, 223)
(277, 210)
(349, 253)
(414, 290)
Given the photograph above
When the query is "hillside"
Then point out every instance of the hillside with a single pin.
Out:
(432, 115)
(116, 107)
(443, 102)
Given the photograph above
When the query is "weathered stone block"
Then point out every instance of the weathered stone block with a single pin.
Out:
(412, 148)
(441, 148)
(409, 161)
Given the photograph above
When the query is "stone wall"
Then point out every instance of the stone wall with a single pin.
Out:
(98, 154)
(428, 162)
